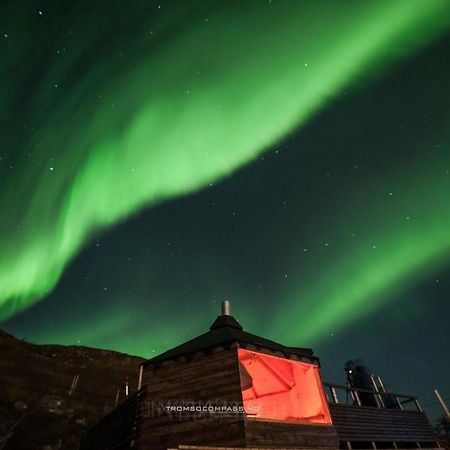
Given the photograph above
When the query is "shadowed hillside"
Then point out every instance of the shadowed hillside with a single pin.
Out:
(41, 407)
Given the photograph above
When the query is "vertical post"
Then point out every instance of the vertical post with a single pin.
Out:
(399, 403)
(334, 395)
(74, 384)
(441, 401)
(141, 370)
(126, 387)
(358, 400)
(117, 398)
(71, 386)
(416, 402)
(378, 383)
(378, 400)
(378, 388)
(352, 395)
(373, 378)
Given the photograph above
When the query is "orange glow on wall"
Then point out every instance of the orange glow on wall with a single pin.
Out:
(281, 389)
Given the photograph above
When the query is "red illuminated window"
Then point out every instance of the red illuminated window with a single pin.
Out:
(280, 389)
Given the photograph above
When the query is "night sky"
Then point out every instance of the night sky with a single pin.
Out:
(290, 156)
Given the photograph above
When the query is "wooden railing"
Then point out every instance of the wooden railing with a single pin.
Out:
(119, 429)
(364, 397)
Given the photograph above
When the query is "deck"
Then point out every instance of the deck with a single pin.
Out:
(367, 419)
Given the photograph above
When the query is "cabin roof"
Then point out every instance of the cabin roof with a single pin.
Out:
(227, 330)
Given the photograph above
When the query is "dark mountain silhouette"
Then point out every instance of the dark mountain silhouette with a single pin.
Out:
(50, 394)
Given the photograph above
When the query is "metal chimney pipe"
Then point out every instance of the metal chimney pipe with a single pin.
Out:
(226, 308)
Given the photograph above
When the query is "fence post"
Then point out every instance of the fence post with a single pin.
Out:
(117, 398)
(358, 400)
(441, 401)
(416, 402)
(74, 384)
(334, 395)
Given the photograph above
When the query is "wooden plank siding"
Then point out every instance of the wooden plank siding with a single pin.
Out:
(263, 433)
(378, 424)
(212, 377)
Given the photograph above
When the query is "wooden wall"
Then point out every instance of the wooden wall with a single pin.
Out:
(262, 433)
(377, 424)
(202, 378)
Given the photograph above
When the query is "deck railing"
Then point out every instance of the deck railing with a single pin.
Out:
(119, 429)
(364, 397)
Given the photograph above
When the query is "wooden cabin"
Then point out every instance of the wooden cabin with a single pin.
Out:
(230, 388)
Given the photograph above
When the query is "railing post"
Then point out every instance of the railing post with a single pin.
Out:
(334, 395)
(378, 400)
(352, 395)
(419, 408)
(141, 371)
(117, 398)
(358, 400)
(442, 402)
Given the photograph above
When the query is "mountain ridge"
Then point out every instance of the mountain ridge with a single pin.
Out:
(51, 393)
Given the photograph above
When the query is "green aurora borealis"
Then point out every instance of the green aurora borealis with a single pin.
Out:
(107, 113)
(175, 128)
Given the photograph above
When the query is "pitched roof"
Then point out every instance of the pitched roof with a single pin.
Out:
(226, 330)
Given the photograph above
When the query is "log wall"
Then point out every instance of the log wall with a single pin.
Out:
(262, 433)
(201, 379)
